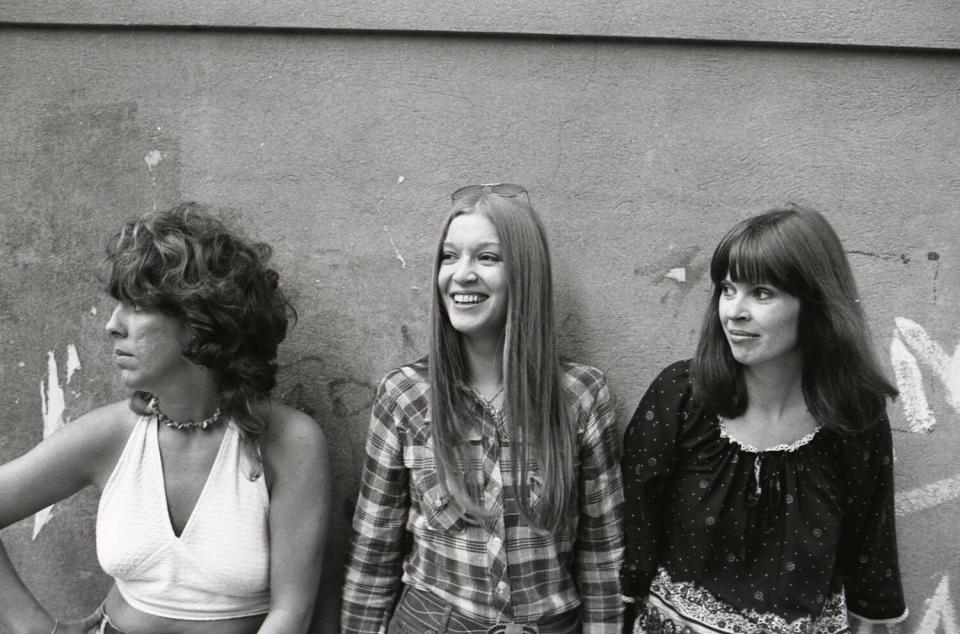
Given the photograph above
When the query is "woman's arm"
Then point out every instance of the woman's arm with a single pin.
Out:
(81, 453)
(297, 469)
(649, 450)
(599, 553)
(379, 523)
(868, 549)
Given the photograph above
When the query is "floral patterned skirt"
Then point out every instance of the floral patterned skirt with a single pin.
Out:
(682, 607)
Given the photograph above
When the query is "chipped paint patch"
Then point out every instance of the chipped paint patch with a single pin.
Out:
(679, 274)
(396, 251)
(52, 407)
(73, 362)
(153, 159)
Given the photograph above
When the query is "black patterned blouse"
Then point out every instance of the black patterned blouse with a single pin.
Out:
(741, 540)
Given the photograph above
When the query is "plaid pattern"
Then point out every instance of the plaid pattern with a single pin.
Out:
(503, 570)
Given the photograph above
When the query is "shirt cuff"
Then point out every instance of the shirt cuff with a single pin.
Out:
(890, 621)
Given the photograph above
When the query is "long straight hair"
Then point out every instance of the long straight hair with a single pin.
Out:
(797, 251)
(535, 403)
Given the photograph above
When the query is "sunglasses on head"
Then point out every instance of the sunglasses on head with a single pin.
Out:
(507, 190)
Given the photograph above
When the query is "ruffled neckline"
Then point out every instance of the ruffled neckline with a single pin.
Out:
(782, 447)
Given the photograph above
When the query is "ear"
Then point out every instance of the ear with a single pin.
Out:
(187, 336)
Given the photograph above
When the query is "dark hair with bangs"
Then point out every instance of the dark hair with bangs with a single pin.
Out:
(186, 263)
(535, 400)
(797, 251)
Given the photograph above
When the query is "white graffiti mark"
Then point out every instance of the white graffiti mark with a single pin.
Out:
(939, 615)
(928, 495)
(53, 406)
(910, 383)
(912, 343)
(865, 627)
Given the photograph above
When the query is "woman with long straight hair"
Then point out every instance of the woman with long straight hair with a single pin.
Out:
(499, 460)
(758, 476)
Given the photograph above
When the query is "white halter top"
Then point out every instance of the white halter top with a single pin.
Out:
(219, 566)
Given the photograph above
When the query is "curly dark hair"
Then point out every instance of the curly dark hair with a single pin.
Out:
(186, 263)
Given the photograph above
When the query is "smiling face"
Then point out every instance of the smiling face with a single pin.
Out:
(472, 278)
(148, 347)
(760, 322)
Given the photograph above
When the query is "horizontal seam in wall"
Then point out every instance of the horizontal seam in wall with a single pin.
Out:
(516, 35)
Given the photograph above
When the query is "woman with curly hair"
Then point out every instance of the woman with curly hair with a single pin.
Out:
(490, 497)
(213, 497)
(758, 476)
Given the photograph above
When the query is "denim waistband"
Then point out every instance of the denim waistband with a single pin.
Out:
(422, 612)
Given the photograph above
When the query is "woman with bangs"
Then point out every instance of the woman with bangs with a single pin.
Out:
(213, 497)
(758, 476)
(490, 496)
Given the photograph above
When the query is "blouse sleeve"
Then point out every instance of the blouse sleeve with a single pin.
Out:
(599, 552)
(868, 547)
(379, 524)
(649, 452)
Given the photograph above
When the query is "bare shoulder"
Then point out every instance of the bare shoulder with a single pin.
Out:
(81, 453)
(103, 427)
(290, 434)
(100, 434)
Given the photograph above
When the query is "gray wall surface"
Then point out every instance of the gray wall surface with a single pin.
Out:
(338, 140)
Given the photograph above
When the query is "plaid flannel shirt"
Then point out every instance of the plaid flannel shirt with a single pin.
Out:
(503, 570)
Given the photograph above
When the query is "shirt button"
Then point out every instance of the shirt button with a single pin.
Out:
(495, 542)
(437, 503)
(502, 588)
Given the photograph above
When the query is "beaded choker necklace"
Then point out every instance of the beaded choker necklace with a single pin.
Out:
(214, 419)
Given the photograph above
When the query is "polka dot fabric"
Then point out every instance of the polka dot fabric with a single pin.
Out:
(776, 533)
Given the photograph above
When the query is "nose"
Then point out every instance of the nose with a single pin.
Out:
(736, 308)
(464, 271)
(114, 325)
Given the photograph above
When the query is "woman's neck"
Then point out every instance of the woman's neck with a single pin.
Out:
(192, 399)
(775, 390)
(484, 362)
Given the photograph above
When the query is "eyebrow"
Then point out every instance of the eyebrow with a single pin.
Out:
(482, 245)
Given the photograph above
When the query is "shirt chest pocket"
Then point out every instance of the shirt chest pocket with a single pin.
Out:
(435, 505)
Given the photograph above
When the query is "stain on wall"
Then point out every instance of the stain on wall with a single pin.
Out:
(340, 149)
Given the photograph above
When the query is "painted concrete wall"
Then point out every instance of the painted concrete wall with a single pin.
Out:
(340, 148)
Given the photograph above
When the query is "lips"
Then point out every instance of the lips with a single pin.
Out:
(741, 337)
